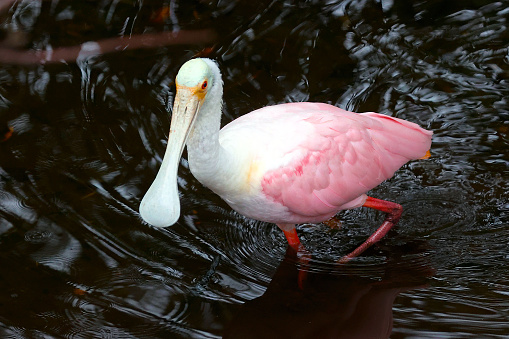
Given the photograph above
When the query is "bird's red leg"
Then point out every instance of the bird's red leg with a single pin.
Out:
(393, 211)
(302, 255)
(291, 235)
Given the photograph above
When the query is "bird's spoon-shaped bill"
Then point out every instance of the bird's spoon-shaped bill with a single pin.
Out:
(161, 206)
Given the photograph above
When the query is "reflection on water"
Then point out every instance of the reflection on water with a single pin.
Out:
(337, 303)
(88, 114)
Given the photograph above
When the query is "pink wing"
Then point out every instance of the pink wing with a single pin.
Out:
(347, 155)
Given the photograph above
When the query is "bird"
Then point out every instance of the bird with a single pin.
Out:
(285, 164)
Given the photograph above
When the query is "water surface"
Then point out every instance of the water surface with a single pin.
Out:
(85, 92)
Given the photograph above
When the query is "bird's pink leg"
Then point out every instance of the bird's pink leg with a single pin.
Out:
(303, 256)
(393, 211)
(291, 235)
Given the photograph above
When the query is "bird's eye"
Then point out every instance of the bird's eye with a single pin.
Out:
(204, 85)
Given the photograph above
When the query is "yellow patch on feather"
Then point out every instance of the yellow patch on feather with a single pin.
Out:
(252, 174)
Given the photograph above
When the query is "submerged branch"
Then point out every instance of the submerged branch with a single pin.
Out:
(9, 55)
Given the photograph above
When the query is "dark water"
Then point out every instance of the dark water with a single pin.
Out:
(89, 130)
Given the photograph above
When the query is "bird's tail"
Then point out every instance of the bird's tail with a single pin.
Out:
(400, 137)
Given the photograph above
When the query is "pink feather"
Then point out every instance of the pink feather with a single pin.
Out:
(345, 155)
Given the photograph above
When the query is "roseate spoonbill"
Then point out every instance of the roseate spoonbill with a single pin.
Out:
(284, 164)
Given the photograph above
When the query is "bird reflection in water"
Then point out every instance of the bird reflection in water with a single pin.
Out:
(331, 304)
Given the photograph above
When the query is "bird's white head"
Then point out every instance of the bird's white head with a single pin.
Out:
(196, 78)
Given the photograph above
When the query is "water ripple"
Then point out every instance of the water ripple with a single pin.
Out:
(88, 138)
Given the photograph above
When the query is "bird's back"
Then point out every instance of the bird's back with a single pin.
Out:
(316, 159)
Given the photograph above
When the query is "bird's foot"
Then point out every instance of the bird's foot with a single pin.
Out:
(302, 255)
(333, 223)
(303, 259)
(393, 213)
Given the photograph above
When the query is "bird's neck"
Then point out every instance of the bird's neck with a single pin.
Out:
(205, 153)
